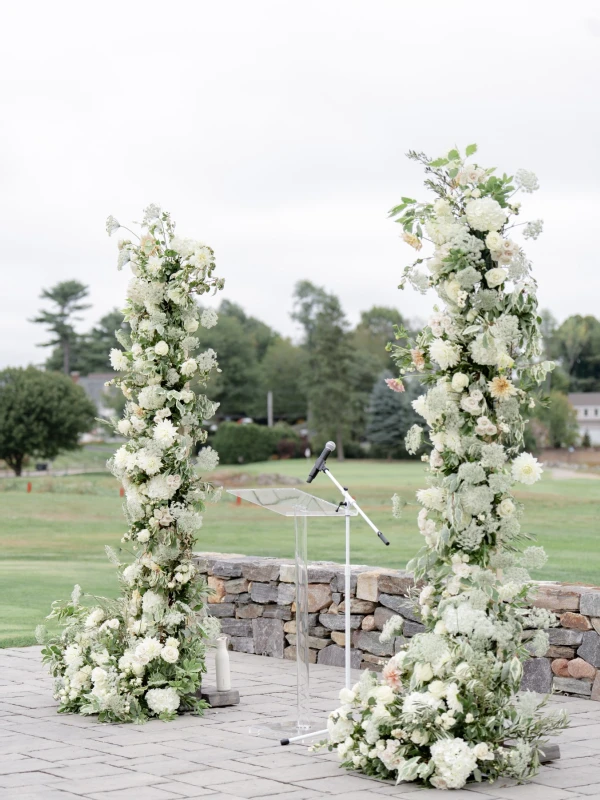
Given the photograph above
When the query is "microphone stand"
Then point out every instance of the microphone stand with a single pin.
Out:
(347, 503)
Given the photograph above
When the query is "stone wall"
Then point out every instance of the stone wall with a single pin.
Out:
(254, 599)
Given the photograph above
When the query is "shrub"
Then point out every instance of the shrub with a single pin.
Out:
(242, 444)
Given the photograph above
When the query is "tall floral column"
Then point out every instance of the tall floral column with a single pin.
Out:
(447, 709)
(143, 655)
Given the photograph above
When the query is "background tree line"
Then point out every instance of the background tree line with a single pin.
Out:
(332, 380)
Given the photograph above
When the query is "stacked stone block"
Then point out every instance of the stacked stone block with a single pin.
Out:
(254, 599)
(572, 663)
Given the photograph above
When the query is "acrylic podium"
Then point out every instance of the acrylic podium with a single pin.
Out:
(290, 502)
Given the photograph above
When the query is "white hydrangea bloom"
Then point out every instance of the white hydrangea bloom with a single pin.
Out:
(485, 214)
(163, 700)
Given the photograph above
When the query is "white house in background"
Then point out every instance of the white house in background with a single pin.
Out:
(95, 388)
(587, 406)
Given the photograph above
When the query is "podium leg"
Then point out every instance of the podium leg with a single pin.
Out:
(302, 725)
(302, 654)
(348, 601)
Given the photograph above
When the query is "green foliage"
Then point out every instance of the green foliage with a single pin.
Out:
(241, 342)
(42, 414)
(390, 416)
(558, 420)
(282, 371)
(332, 401)
(243, 444)
(575, 344)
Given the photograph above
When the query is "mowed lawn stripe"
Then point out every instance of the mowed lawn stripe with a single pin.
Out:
(50, 540)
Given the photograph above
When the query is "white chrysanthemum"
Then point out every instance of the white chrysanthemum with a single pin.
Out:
(118, 360)
(526, 180)
(149, 462)
(208, 459)
(131, 573)
(163, 700)
(165, 433)
(433, 498)
(526, 469)
(148, 649)
(445, 354)
(154, 265)
(94, 618)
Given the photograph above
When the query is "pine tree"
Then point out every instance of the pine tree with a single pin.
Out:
(67, 297)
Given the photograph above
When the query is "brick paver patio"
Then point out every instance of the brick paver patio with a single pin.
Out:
(47, 756)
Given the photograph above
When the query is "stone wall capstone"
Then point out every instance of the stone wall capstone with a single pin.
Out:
(254, 599)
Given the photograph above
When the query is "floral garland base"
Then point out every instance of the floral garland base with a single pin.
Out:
(143, 655)
(446, 709)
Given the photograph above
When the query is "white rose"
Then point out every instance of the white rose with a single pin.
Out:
(124, 426)
(493, 241)
(169, 654)
(347, 696)
(496, 277)
(437, 689)
(506, 508)
(191, 325)
(482, 752)
(189, 367)
(161, 348)
(452, 289)
(423, 672)
(143, 535)
(459, 381)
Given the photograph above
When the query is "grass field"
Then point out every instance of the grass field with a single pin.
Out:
(55, 536)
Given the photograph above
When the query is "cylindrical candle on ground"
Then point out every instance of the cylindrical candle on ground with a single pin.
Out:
(222, 665)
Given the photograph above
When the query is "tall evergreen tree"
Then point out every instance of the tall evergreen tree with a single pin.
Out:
(66, 297)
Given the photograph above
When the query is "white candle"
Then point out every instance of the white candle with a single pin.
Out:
(222, 665)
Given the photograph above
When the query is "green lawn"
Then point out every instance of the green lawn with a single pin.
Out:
(55, 536)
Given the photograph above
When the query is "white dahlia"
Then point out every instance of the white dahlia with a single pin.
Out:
(445, 354)
(526, 469)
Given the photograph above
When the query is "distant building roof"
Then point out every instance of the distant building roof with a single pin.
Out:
(584, 398)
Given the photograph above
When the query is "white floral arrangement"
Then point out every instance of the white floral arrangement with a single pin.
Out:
(446, 708)
(144, 655)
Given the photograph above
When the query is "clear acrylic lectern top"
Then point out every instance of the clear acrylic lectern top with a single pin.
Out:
(290, 502)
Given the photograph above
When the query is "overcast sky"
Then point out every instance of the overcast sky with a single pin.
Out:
(276, 132)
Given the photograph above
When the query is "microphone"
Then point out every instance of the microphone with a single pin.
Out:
(320, 462)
